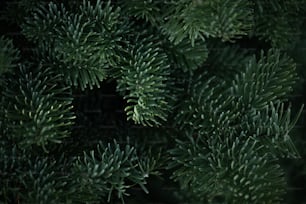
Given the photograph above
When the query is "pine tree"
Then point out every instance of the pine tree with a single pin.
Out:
(203, 115)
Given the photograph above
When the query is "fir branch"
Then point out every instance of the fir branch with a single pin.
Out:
(148, 10)
(38, 108)
(12, 161)
(183, 56)
(108, 22)
(265, 81)
(234, 125)
(207, 107)
(225, 61)
(41, 183)
(145, 76)
(28, 178)
(43, 22)
(9, 55)
(199, 19)
(284, 25)
(232, 169)
(110, 168)
(81, 53)
(271, 127)
(81, 44)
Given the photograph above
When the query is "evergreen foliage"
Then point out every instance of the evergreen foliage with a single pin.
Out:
(283, 27)
(230, 168)
(199, 19)
(148, 10)
(109, 168)
(200, 113)
(9, 55)
(37, 108)
(226, 61)
(266, 81)
(80, 45)
(187, 58)
(144, 78)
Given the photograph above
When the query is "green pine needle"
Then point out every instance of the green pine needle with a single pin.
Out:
(267, 80)
(110, 168)
(38, 108)
(9, 55)
(232, 169)
(144, 81)
(225, 19)
(82, 45)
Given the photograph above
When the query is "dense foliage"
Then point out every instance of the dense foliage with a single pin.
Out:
(204, 114)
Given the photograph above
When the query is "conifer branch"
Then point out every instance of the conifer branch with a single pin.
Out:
(12, 161)
(144, 81)
(200, 19)
(233, 169)
(272, 127)
(148, 10)
(207, 107)
(81, 45)
(44, 179)
(9, 55)
(183, 56)
(215, 115)
(284, 25)
(225, 61)
(226, 109)
(38, 108)
(99, 173)
(269, 79)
